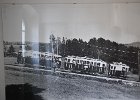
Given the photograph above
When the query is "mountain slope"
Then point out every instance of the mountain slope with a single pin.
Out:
(134, 44)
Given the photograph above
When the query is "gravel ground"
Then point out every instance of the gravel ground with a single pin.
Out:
(57, 88)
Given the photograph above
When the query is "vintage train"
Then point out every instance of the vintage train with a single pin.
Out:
(79, 64)
(96, 66)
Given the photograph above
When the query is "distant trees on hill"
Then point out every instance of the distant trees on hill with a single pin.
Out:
(11, 49)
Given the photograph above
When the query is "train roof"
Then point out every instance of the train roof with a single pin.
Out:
(119, 64)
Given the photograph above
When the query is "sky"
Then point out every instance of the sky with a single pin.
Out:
(116, 22)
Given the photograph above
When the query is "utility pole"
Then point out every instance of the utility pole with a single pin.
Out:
(57, 45)
(51, 40)
(52, 47)
(139, 64)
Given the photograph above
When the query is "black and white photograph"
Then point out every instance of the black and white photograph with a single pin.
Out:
(71, 51)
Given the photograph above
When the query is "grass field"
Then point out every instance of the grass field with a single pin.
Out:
(57, 88)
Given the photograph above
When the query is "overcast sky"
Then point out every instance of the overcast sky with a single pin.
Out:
(116, 22)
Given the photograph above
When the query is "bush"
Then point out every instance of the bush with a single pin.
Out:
(28, 60)
(135, 71)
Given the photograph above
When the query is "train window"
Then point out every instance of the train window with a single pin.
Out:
(68, 60)
(78, 61)
(98, 64)
(123, 68)
(126, 69)
(84, 62)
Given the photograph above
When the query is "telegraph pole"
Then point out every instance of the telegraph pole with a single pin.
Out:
(51, 38)
(139, 64)
(57, 45)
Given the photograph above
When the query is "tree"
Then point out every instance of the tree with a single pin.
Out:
(52, 42)
(92, 48)
(4, 48)
(27, 47)
(139, 65)
(63, 48)
(11, 49)
(101, 41)
(52, 38)
(57, 45)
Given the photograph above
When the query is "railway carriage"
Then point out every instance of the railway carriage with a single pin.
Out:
(69, 62)
(118, 69)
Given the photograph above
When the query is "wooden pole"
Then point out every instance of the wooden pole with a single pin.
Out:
(139, 64)
(57, 45)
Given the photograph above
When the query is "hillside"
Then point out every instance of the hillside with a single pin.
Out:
(134, 44)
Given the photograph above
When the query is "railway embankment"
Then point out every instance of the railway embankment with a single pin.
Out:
(64, 74)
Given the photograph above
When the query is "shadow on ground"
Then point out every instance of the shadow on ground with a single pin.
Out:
(23, 92)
